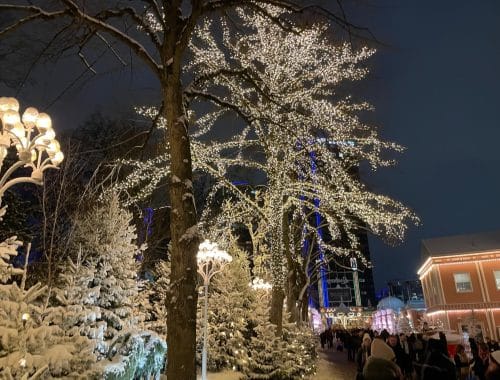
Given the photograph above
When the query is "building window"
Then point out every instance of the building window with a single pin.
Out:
(462, 282)
(496, 273)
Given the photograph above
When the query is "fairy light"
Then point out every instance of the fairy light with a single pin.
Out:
(300, 76)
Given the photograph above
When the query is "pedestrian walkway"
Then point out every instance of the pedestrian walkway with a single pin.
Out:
(333, 365)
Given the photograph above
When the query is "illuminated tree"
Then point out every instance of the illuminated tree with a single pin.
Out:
(310, 136)
(306, 138)
(159, 33)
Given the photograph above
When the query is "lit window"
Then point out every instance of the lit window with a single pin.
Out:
(462, 282)
(496, 273)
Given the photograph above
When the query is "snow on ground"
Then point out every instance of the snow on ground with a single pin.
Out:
(224, 375)
(331, 365)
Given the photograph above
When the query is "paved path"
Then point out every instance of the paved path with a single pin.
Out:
(333, 365)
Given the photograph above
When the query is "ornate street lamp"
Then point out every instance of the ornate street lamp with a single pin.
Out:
(34, 139)
(211, 260)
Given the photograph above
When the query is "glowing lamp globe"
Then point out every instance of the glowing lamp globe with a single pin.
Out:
(43, 122)
(30, 116)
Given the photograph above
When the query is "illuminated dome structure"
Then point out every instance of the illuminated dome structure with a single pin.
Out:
(386, 316)
(391, 303)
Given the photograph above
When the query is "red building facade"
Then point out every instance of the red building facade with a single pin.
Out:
(461, 283)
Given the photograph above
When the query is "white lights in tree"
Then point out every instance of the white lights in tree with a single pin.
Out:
(285, 88)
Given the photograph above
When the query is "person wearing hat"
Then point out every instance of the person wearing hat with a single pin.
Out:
(363, 354)
(380, 365)
(493, 371)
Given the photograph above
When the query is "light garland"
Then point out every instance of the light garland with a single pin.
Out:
(286, 119)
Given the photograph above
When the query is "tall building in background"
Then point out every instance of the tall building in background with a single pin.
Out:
(345, 280)
(342, 281)
(348, 282)
(405, 290)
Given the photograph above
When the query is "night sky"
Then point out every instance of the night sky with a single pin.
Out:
(435, 88)
(436, 91)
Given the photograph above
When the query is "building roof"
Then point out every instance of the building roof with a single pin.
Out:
(472, 243)
(416, 304)
(390, 302)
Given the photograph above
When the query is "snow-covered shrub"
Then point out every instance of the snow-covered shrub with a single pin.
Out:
(140, 356)
(31, 342)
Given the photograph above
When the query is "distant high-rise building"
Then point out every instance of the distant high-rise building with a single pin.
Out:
(346, 281)
(405, 290)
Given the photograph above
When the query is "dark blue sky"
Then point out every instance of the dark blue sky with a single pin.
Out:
(436, 91)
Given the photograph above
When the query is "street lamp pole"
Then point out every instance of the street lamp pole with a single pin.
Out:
(211, 260)
(34, 139)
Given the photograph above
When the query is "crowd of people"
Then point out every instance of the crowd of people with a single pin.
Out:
(385, 356)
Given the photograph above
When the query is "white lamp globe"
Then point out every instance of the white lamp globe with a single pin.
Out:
(43, 122)
(10, 118)
(30, 116)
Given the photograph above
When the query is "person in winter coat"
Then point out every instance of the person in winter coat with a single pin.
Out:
(481, 361)
(462, 362)
(493, 371)
(322, 339)
(380, 364)
(402, 359)
(362, 355)
(437, 364)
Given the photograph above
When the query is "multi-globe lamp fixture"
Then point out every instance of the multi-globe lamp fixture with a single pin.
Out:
(34, 139)
(211, 260)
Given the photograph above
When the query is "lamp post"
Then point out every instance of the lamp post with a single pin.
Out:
(211, 260)
(34, 139)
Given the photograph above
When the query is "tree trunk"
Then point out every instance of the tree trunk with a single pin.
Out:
(291, 293)
(276, 312)
(278, 294)
(181, 321)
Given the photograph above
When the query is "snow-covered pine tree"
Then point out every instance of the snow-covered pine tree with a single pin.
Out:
(266, 349)
(160, 293)
(300, 352)
(31, 344)
(80, 316)
(106, 239)
(229, 309)
(403, 324)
